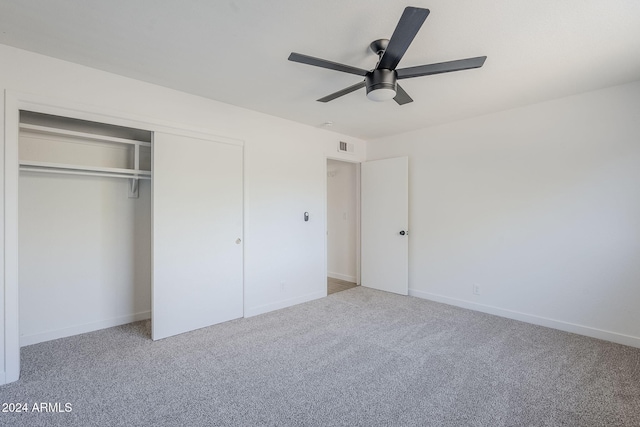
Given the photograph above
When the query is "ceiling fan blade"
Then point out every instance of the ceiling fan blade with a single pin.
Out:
(441, 67)
(310, 60)
(410, 22)
(402, 97)
(342, 92)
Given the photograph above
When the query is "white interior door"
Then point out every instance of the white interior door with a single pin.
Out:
(197, 234)
(384, 225)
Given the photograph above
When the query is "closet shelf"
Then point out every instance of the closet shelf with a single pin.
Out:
(59, 168)
(83, 135)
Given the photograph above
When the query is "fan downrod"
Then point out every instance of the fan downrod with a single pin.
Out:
(379, 46)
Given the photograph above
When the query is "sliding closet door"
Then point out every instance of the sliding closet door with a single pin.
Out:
(197, 234)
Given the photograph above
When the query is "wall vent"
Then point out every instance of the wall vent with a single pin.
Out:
(345, 147)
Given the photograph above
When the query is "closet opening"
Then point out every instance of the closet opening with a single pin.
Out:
(84, 226)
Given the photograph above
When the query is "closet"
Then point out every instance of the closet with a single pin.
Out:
(118, 224)
(84, 226)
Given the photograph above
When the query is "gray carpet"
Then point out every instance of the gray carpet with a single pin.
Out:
(356, 358)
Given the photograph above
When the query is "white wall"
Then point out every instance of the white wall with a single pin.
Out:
(85, 254)
(539, 205)
(341, 220)
(285, 165)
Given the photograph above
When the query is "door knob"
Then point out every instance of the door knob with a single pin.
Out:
(402, 233)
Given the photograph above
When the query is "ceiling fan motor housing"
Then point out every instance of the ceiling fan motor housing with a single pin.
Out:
(381, 79)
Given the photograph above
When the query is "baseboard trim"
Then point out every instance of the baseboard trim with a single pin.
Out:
(261, 309)
(529, 318)
(344, 277)
(81, 329)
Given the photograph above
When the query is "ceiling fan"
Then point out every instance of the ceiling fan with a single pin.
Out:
(382, 81)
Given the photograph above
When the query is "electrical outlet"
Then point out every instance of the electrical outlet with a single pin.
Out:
(476, 289)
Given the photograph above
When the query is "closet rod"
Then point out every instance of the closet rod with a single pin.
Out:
(71, 172)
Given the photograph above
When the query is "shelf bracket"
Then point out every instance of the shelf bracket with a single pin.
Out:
(134, 188)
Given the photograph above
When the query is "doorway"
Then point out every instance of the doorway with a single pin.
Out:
(343, 225)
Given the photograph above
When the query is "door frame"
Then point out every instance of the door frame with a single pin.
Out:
(15, 101)
(358, 164)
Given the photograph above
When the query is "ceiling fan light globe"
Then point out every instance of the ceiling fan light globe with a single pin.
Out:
(382, 94)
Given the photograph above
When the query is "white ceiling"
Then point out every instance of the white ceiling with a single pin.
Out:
(235, 51)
